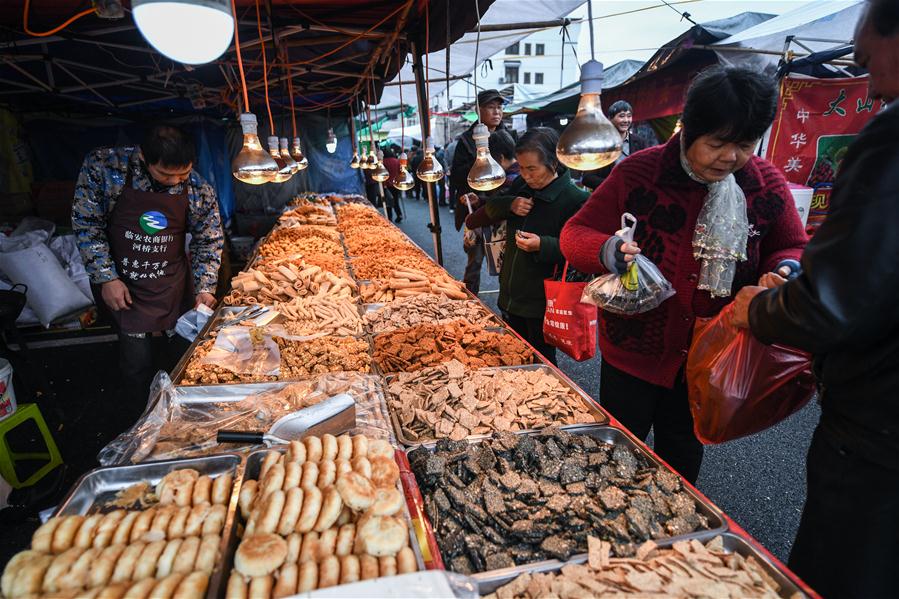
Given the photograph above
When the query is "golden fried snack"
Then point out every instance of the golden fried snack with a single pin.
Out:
(115, 529)
(116, 591)
(141, 525)
(221, 488)
(271, 458)
(362, 466)
(237, 587)
(346, 536)
(160, 525)
(345, 517)
(360, 446)
(64, 535)
(177, 523)
(76, 577)
(215, 521)
(380, 447)
(309, 551)
(29, 576)
(177, 487)
(165, 588)
(332, 505)
(387, 565)
(293, 472)
(58, 567)
(207, 554)
(313, 449)
(202, 491)
(296, 452)
(103, 566)
(355, 490)
(85, 536)
(328, 572)
(270, 512)
(187, 555)
(294, 544)
(259, 555)
(146, 562)
(368, 567)
(327, 472)
(193, 586)
(344, 447)
(273, 480)
(308, 579)
(124, 566)
(388, 501)
(327, 544)
(405, 561)
(384, 471)
(12, 569)
(193, 526)
(42, 540)
(141, 589)
(383, 535)
(343, 466)
(310, 475)
(166, 564)
(350, 569)
(247, 497)
(286, 585)
(329, 447)
(293, 504)
(261, 586)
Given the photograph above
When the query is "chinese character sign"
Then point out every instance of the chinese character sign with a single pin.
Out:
(815, 123)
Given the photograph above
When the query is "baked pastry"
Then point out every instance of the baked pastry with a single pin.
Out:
(355, 490)
(260, 555)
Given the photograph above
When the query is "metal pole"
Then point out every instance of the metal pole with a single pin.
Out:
(383, 200)
(425, 124)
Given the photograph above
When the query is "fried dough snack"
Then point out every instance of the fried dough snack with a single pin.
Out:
(406, 312)
(283, 280)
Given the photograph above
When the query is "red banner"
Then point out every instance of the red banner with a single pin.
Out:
(815, 123)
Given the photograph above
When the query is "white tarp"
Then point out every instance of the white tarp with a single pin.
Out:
(824, 19)
(462, 52)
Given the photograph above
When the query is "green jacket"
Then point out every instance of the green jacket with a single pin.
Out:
(521, 278)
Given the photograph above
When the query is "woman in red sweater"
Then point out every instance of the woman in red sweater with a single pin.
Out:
(713, 217)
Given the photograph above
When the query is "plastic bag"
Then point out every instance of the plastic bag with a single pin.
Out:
(640, 289)
(192, 322)
(568, 323)
(739, 386)
(245, 350)
(470, 237)
(494, 238)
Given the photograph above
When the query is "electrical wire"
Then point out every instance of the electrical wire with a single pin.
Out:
(271, 121)
(477, 47)
(55, 30)
(592, 41)
(243, 79)
(399, 74)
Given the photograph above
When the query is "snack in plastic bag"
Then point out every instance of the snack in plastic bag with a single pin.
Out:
(640, 289)
(192, 322)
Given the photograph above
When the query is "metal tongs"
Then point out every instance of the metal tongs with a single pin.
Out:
(248, 313)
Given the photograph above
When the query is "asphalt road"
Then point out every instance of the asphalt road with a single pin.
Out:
(758, 481)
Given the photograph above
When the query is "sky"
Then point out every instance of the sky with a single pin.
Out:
(638, 35)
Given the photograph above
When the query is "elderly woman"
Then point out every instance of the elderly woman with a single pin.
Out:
(713, 217)
(538, 204)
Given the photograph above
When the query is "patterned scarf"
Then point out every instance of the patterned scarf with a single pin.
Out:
(722, 231)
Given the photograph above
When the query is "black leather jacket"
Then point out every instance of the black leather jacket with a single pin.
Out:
(844, 307)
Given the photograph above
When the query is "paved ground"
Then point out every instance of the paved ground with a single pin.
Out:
(759, 481)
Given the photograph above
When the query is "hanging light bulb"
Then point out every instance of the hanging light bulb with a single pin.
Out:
(285, 154)
(274, 149)
(253, 164)
(404, 180)
(297, 153)
(485, 173)
(380, 172)
(354, 163)
(372, 162)
(331, 144)
(430, 169)
(187, 31)
(590, 141)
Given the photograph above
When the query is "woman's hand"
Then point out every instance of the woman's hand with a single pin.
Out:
(522, 206)
(741, 305)
(470, 197)
(617, 254)
(770, 280)
(527, 242)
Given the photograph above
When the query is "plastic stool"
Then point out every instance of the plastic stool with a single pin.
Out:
(8, 458)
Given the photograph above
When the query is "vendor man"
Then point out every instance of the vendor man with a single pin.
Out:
(133, 209)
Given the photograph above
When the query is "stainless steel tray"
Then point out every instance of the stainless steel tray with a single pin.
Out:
(591, 406)
(732, 544)
(224, 312)
(492, 579)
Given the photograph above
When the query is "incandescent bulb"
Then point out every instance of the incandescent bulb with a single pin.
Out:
(380, 172)
(590, 141)
(274, 150)
(485, 173)
(430, 169)
(371, 162)
(404, 180)
(354, 163)
(187, 31)
(297, 153)
(253, 164)
(285, 154)
(331, 144)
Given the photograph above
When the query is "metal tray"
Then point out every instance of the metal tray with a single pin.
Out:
(732, 544)
(223, 312)
(591, 406)
(496, 323)
(101, 484)
(492, 579)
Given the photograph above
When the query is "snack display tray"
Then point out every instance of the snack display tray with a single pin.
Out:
(591, 406)
(368, 308)
(101, 484)
(492, 579)
(224, 312)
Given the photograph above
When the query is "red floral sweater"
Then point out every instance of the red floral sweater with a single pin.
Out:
(653, 187)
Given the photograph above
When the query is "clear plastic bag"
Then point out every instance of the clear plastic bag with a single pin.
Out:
(245, 350)
(192, 322)
(640, 289)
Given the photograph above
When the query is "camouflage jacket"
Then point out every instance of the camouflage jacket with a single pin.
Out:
(99, 185)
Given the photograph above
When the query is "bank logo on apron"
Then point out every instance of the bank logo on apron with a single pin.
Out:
(153, 222)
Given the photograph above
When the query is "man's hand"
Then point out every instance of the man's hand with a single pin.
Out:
(470, 197)
(207, 299)
(741, 305)
(522, 206)
(116, 295)
(527, 242)
(770, 280)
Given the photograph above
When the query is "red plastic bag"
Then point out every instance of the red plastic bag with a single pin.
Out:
(568, 324)
(739, 386)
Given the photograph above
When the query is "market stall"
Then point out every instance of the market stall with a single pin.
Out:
(462, 451)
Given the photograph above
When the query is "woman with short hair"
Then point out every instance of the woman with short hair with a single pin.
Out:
(713, 217)
(536, 207)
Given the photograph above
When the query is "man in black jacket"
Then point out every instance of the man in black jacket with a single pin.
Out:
(490, 106)
(844, 309)
(622, 116)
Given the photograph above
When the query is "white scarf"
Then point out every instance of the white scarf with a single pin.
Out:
(722, 231)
